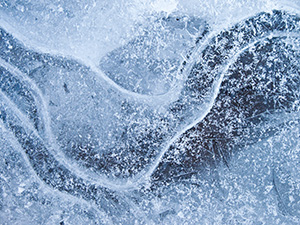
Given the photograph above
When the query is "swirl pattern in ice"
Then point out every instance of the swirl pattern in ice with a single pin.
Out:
(99, 138)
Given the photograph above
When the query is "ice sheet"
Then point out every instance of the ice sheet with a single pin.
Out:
(153, 112)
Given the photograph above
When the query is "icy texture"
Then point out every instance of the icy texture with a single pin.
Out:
(181, 124)
(149, 64)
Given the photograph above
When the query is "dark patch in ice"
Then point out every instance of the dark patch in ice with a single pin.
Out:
(66, 88)
(263, 81)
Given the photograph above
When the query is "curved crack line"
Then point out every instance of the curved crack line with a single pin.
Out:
(245, 23)
(153, 100)
(20, 115)
(283, 209)
(37, 95)
(144, 178)
(163, 99)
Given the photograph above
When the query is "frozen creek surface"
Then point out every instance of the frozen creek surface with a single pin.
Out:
(172, 119)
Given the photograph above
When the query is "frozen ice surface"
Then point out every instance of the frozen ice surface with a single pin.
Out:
(171, 117)
(150, 62)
